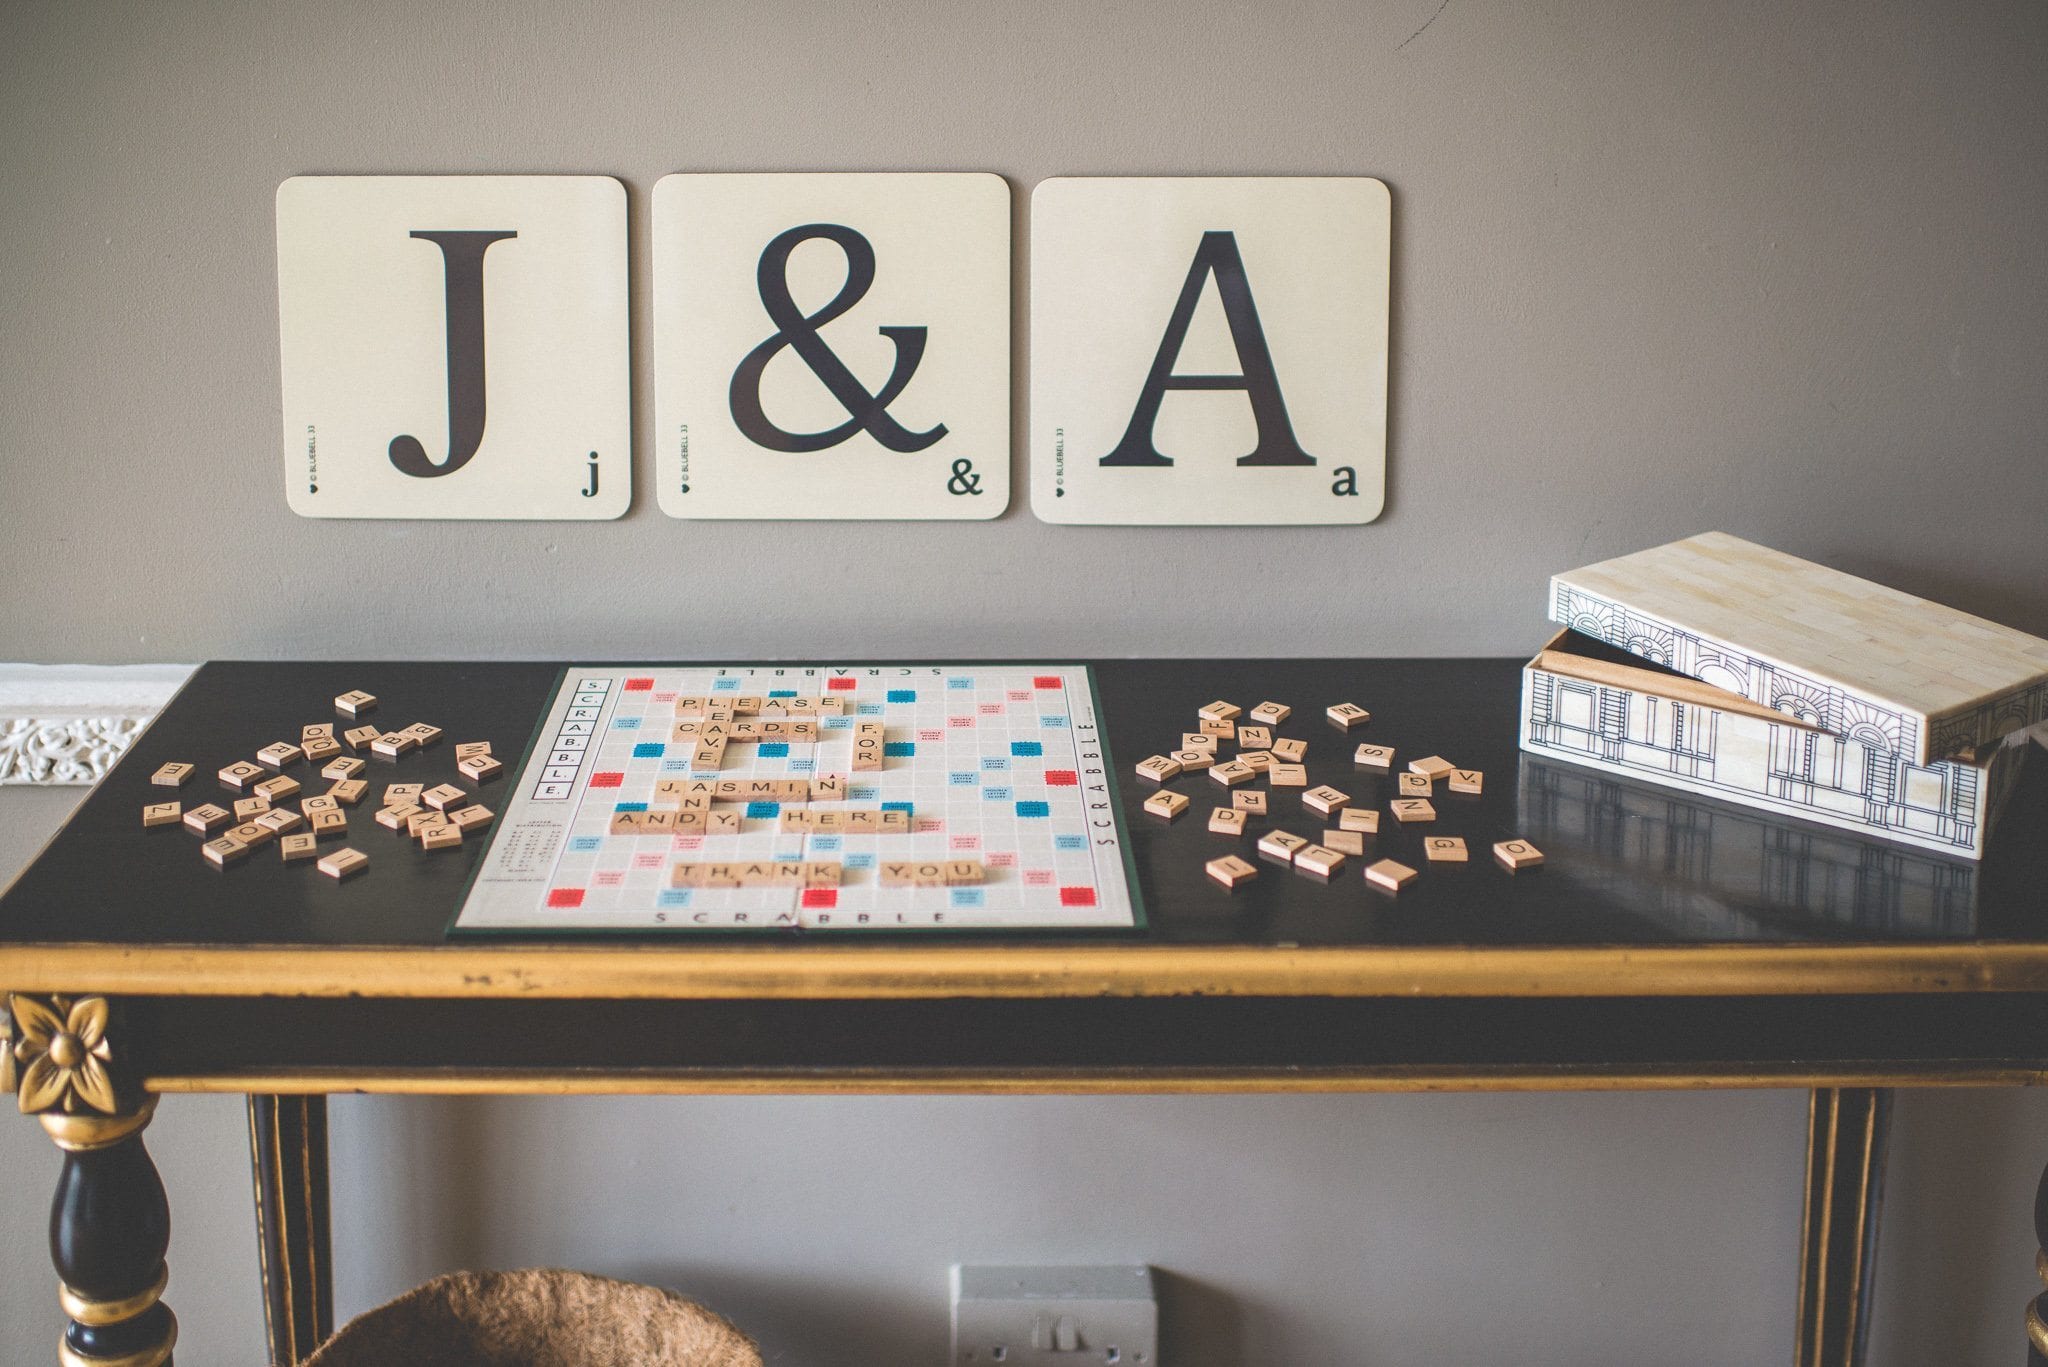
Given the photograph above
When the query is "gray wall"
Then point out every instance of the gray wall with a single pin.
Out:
(1772, 267)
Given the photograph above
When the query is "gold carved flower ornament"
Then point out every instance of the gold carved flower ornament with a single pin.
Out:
(63, 1053)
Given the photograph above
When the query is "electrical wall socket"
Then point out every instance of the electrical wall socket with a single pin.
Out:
(1054, 1317)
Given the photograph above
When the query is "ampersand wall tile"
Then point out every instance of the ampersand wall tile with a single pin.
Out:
(832, 345)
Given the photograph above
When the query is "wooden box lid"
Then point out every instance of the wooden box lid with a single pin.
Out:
(1853, 657)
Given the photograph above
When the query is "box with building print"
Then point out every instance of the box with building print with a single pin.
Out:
(1728, 669)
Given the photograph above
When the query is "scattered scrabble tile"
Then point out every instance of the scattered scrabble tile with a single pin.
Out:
(1254, 737)
(1348, 715)
(1374, 756)
(278, 820)
(1320, 860)
(355, 702)
(1227, 821)
(422, 819)
(344, 768)
(1192, 761)
(1518, 855)
(324, 802)
(1433, 767)
(398, 794)
(326, 825)
(394, 818)
(1415, 785)
(1468, 781)
(480, 768)
(422, 734)
(279, 755)
(1217, 728)
(300, 846)
(319, 730)
(320, 749)
(242, 773)
(1166, 803)
(1280, 845)
(444, 796)
(470, 818)
(173, 775)
(1406, 809)
(1232, 773)
(1365, 819)
(343, 862)
(1345, 842)
(1290, 751)
(1158, 768)
(1219, 711)
(1271, 713)
(392, 744)
(445, 836)
(251, 834)
(359, 737)
(1249, 800)
(224, 851)
(469, 748)
(1444, 849)
(1261, 761)
(1198, 740)
(207, 818)
(349, 791)
(1288, 776)
(1390, 874)
(1230, 870)
(249, 808)
(1325, 799)
(278, 789)
(163, 814)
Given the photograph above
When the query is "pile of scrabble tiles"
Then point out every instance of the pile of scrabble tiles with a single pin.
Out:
(1347, 827)
(437, 817)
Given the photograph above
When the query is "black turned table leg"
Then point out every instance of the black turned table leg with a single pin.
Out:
(110, 1222)
(1846, 1132)
(288, 1154)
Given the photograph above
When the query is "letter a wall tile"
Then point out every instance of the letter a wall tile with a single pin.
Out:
(1209, 351)
(454, 346)
(832, 345)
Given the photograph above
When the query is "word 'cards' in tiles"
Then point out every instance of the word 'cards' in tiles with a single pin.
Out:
(772, 797)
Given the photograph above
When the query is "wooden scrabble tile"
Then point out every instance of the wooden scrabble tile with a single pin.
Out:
(1271, 713)
(242, 773)
(827, 788)
(1281, 845)
(634, 823)
(421, 820)
(299, 846)
(1219, 711)
(224, 851)
(392, 744)
(1250, 800)
(349, 791)
(443, 796)
(173, 775)
(251, 834)
(207, 818)
(1254, 737)
(422, 734)
(1230, 870)
(708, 752)
(1348, 715)
(1374, 756)
(1261, 761)
(1158, 768)
(346, 767)
(1325, 799)
(321, 802)
(1518, 854)
(319, 730)
(1287, 776)
(446, 836)
(1290, 751)
(1345, 842)
(343, 862)
(1227, 821)
(468, 749)
(249, 808)
(1390, 875)
(1432, 767)
(327, 825)
(398, 794)
(962, 873)
(1407, 809)
(359, 737)
(1366, 819)
(1216, 730)
(394, 818)
(278, 820)
(1467, 781)
(1232, 772)
(1192, 761)
(1320, 860)
(473, 817)
(1415, 785)
(320, 749)
(279, 755)
(278, 789)
(1198, 740)
(907, 874)
(163, 813)
(867, 746)
(1444, 849)
(355, 702)
(1166, 803)
(480, 768)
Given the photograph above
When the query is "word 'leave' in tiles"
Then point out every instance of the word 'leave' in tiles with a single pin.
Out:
(454, 346)
(832, 345)
(1209, 351)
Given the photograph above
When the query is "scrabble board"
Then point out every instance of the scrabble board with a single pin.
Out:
(730, 798)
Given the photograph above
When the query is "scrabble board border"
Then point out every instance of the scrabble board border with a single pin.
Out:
(515, 776)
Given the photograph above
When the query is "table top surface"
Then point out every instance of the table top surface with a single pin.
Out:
(1646, 891)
